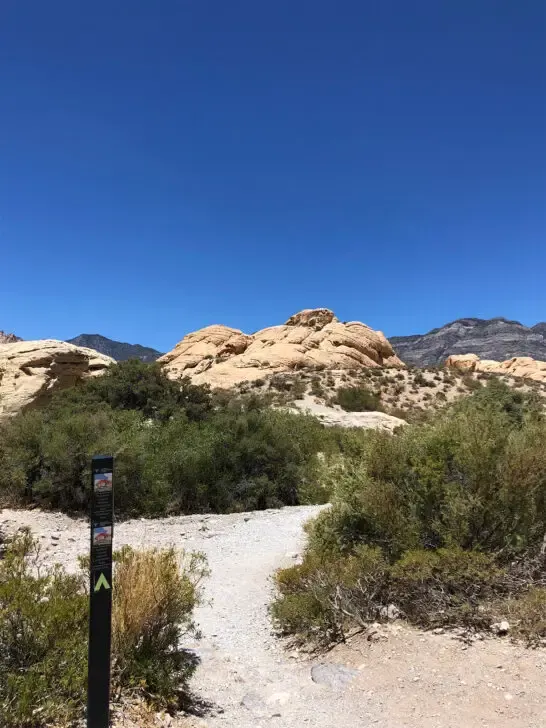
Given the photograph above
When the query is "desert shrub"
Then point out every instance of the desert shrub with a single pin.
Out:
(527, 615)
(44, 629)
(155, 594)
(317, 390)
(419, 380)
(323, 598)
(357, 399)
(470, 382)
(43, 640)
(298, 388)
(134, 385)
(319, 598)
(243, 455)
(450, 505)
(445, 586)
(280, 382)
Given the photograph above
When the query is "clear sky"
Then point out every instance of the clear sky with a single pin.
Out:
(169, 164)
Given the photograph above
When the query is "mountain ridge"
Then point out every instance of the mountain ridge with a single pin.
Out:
(118, 350)
(497, 338)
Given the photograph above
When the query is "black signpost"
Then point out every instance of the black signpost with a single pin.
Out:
(100, 599)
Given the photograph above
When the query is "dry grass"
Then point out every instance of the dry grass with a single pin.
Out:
(527, 616)
(155, 595)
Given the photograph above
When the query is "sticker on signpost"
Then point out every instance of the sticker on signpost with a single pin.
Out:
(102, 536)
(102, 482)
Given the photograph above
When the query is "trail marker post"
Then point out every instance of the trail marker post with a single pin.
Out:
(100, 592)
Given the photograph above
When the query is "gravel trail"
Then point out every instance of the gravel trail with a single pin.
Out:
(402, 679)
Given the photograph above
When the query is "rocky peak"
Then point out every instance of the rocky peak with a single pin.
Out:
(314, 318)
(313, 338)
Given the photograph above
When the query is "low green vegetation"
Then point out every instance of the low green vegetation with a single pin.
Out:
(446, 520)
(178, 449)
(44, 627)
(357, 399)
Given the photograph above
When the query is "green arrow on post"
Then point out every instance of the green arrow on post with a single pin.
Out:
(101, 582)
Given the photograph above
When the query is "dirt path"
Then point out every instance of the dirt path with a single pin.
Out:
(405, 679)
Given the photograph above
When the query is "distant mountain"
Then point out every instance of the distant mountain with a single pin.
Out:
(8, 338)
(496, 338)
(116, 349)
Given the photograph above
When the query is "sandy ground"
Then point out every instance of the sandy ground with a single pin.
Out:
(248, 679)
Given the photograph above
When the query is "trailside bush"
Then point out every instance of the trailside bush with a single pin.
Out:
(43, 640)
(323, 598)
(44, 631)
(154, 597)
(449, 506)
(242, 455)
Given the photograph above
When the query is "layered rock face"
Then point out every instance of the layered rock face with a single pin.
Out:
(496, 339)
(518, 366)
(30, 371)
(222, 356)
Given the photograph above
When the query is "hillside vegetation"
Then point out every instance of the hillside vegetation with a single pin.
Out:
(445, 520)
(177, 448)
(410, 393)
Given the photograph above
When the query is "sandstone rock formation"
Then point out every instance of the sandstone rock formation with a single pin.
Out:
(519, 366)
(31, 370)
(222, 356)
(330, 417)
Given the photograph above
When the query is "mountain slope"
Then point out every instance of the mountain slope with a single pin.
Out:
(496, 338)
(116, 349)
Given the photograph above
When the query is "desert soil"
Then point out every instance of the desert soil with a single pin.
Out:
(401, 678)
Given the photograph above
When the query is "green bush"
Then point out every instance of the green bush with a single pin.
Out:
(448, 505)
(43, 640)
(239, 455)
(134, 385)
(325, 597)
(357, 399)
(44, 630)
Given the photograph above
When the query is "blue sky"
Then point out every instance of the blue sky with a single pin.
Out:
(167, 165)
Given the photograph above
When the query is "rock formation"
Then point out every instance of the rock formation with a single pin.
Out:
(222, 356)
(496, 339)
(31, 370)
(518, 366)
